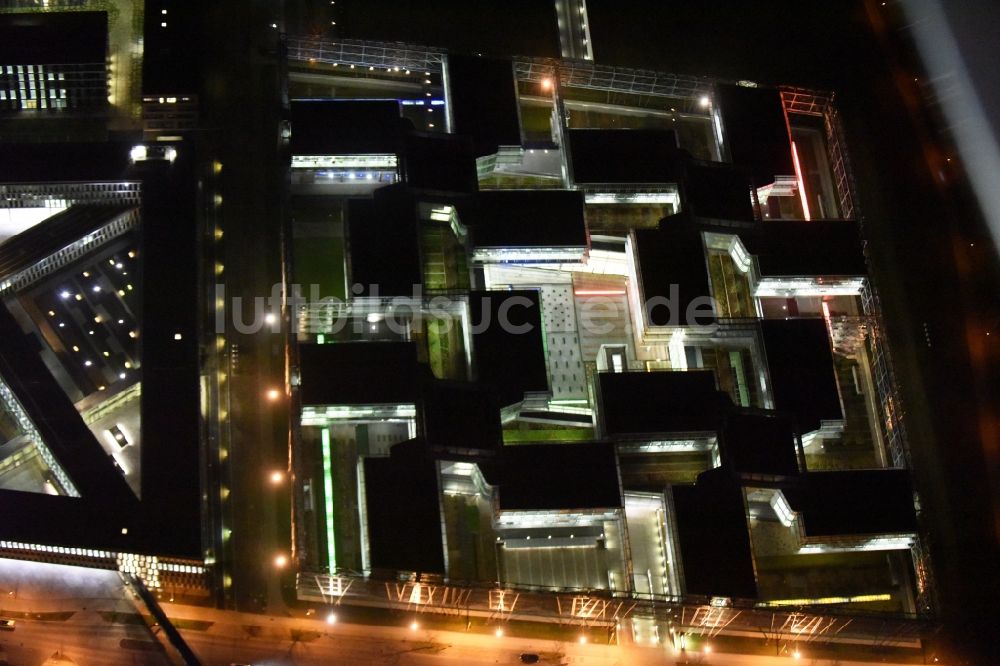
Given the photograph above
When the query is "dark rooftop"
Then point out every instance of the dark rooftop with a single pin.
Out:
(855, 503)
(55, 162)
(359, 373)
(403, 510)
(556, 476)
(613, 156)
(513, 27)
(760, 443)
(506, 357)
(484, 102)
(800, 366)
(53, 38)
(171, 396)
(647, 403)
(346, 127)
(756, 131)
(713, 537)
(441, 162)
(383, 242)
(526, 218)
(715, 190)
(673, 275)
(170, 63)
(460, 416)
(791, 248)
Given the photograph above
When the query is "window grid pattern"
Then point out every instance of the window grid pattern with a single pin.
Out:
(13, 406)
(58, 260)
(53, 87)
(30, 195)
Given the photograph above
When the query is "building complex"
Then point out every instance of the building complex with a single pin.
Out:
(559, 339)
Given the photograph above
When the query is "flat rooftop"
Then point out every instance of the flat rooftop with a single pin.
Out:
(526, 218)
(716, 190)
(345, 127)
(640, 403)
(620, 156)
(713, 537)
(484, 105)
(359, 373)
(53, 38)
(757, 442)
(673, 275)
(515, 26)
(792, 248)
(65, 162)
(461, 416)
(440, 162)
(499, 349)
(403, 510)
(800, 367)
(756, 131)
(555, 477)
(383, 243)
(855, 503)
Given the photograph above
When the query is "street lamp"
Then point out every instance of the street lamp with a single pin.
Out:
(277, 477)
(280, 561)
(498, 633)
(273, 395)
(414, 625)
(331, 618)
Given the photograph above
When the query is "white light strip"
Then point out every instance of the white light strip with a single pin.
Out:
(802, 185)
(665, 446)
(147, 567)
(14, 408)
(529, 254)
(896, 542)
(322, 415)
(373, 161)
(738, 253)
(676, 351)
(782, 509)
(633, 198)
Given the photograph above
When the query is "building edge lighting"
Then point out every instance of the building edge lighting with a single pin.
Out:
(328, 499)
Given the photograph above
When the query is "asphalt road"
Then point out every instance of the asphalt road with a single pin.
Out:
(84, 639)
(88, 614)
(242, 99)
(244, 638)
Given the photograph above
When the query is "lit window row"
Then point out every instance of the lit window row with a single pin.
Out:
(57, 550)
